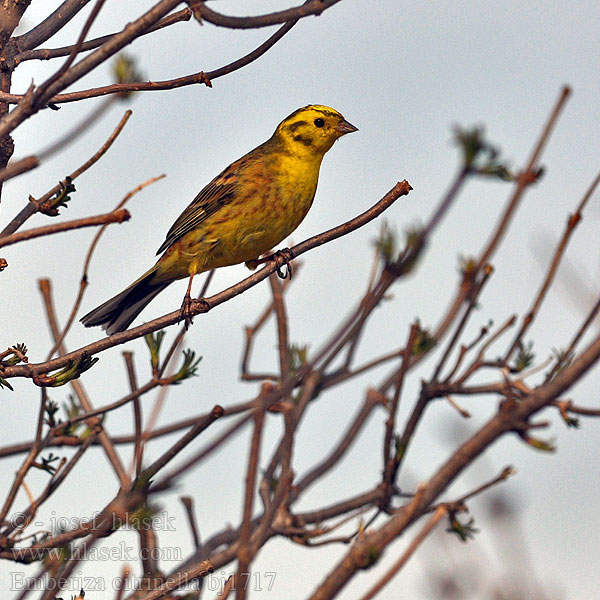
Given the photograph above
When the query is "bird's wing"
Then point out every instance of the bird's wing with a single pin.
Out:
(220, 191)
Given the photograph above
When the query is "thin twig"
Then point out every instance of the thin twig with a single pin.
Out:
(86, 265)
(244, 552)
(577, 337)
(75, 49)
(310, 7)
(201, 77)
(372, 399)
(390, 456)
(137, 411)
(48, 53)
(94, 423)
(33, 207)
(282, 327)
(487, 271)
(52, 24)
(18, 167)
(28, 462)
(572, 223)
(148, 473)
(188, 504)
(437, 516)
(117, 216)
(524, 180)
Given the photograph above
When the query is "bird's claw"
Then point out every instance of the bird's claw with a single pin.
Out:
(282, 258)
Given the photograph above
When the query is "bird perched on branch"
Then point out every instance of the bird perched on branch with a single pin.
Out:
(246, 210)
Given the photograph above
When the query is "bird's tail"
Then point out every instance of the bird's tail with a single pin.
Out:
(118, 313)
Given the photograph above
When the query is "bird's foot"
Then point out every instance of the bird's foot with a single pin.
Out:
(185, 312)
(200, 304)
(282, 258)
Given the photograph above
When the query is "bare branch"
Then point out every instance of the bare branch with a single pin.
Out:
(33, 207)
(116, 216)
(50, 25)
(310, 7)
(572, 223)
(47, 54)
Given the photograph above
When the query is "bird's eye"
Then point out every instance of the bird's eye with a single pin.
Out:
(319, 122)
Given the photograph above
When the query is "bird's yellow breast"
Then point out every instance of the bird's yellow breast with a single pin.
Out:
(272, 198)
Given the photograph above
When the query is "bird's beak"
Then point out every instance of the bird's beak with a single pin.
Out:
(343, 127)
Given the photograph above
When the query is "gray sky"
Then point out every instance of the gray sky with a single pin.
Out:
(404, 74)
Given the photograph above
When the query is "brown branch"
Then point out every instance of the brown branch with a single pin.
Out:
(473, 299)
(122, 582)
(30, 370)
(390, 456)
(284, 485)
(33, 102)
(200, 77)
(480, 358)
(373, 399)
(94, 423)
(28, 462)
(168, 479)
(86, 265)
(526, 178)
(572, 223)
(147, 474)
(188, 504)
(310, 381)
(251, 331)
(438, 515)
(33, 207)
(12, 11)
(506, 473)
(48, 53)
(19, 167)
(178, 341)
(310, 7)
(60, 441)
(505, 421)
(282, 327)
(577, 337)
(332, 379)
(116, 216)
(50, 25)
(117, 88)
(80, 128)
(137, 411)
(244, 551)
(76, 48)
(464, 349)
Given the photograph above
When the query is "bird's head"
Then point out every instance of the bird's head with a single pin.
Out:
(313, 129)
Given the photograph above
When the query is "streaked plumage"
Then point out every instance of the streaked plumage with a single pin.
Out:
(245, 211)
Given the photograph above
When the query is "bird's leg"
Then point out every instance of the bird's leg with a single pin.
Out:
(281, 257)
(186, 305)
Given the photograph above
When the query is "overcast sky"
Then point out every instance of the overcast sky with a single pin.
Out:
(404, 73)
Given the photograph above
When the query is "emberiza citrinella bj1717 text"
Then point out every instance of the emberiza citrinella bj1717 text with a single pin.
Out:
(254, 204)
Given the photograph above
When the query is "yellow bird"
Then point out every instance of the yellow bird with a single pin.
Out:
(245, 211)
